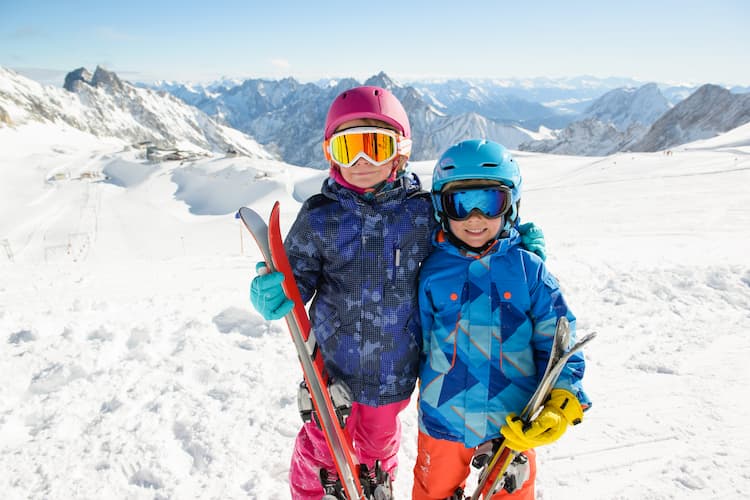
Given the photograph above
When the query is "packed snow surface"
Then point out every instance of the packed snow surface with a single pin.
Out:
(133, 365)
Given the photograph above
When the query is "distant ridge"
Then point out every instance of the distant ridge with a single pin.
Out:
(284, 118)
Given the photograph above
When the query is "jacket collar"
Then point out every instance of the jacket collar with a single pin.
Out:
(501, 245)
(403, 187)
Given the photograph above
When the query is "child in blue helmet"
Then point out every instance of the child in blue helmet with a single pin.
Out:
(488, 311)
(355, 250)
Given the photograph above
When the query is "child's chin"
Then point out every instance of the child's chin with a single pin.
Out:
(475, 243)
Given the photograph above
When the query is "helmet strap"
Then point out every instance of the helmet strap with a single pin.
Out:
(335, 174)
(510, 220)
(397, 168)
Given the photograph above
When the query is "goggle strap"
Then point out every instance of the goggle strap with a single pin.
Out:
(403, 146)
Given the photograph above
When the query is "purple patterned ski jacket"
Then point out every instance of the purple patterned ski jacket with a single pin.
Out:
(357, 258)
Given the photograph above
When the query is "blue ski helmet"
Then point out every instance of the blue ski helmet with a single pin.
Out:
(477, 159)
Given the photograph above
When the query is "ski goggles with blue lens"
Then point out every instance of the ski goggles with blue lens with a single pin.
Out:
(376, 145)
(490, 201)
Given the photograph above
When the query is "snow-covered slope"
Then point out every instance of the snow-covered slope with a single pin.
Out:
(134, 367)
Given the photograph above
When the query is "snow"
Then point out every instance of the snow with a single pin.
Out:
(134, 367)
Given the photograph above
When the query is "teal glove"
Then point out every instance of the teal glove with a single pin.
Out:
(532, 239)
(267, 295)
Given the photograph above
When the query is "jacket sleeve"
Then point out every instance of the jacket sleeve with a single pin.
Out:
(547, 305)
(304, 255)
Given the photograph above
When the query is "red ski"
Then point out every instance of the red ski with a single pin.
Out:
(329, 417)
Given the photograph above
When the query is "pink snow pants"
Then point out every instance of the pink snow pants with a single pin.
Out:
(376, 433)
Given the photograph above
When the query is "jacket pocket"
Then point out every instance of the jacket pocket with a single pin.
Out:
(444, 338)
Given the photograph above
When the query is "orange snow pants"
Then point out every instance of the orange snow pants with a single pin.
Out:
(443, 466)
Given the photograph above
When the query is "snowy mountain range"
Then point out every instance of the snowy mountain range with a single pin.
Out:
(643, 120)
(287, 116)
(597, 119)
(105, 106)
(497, 101)
(611, 123)
(282, 119)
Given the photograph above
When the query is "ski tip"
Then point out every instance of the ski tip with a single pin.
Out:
(589, 336)
(275, 210)
(243, 211)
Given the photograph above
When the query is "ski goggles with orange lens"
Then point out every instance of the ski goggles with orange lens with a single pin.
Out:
(491, 201)
(376, 145)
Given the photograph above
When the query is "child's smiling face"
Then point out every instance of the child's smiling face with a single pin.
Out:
(477, 230)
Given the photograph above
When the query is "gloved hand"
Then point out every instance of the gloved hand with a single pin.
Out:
(532, 239)
(562, 408)
(267, 295)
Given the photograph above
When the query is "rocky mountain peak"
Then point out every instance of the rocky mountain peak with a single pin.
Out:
(108, 79)
(75, 78)
(381, 80)
(624, 107)
(100, 78)
(709, 111)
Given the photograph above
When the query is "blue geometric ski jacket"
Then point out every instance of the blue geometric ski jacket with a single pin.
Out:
(358, 260)
(487, 324)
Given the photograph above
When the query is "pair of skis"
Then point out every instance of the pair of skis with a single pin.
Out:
(354, 481)
(503, 457)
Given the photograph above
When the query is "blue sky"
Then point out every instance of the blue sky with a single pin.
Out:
(666, 41)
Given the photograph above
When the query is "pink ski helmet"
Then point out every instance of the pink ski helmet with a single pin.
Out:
(367, 102)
